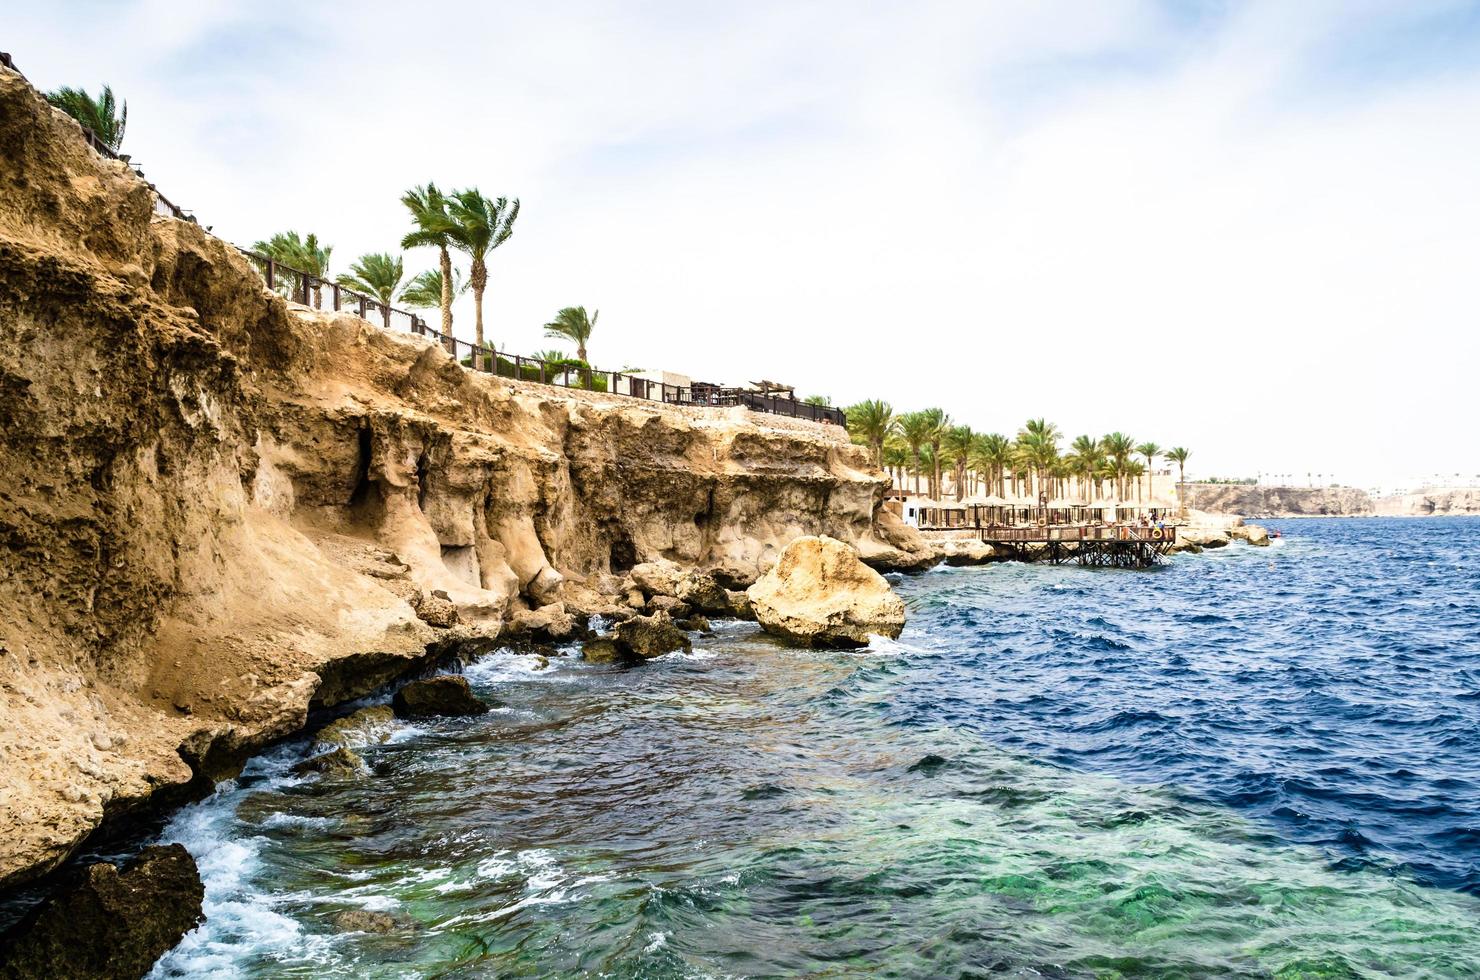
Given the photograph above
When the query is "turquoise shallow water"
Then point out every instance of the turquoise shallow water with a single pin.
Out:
(1251, 763)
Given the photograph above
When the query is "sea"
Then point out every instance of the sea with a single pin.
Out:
(1252, 762)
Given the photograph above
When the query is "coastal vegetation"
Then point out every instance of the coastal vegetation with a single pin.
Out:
(574, 325)
(104, 115)
(922, 447)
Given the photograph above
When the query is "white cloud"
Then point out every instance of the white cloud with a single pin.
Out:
(1005, 209)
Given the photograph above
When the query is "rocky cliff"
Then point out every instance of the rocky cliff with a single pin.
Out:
(1251, 501)
(217, 510)
(1439, 502)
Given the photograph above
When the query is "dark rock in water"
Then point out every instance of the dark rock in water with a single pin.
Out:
(702, 592)
(646, 637)
(448, 694)
(601, 651)
(361, 920)
(740, 606)
(928, 764)
(109, 922)
(341, 762)
(694, 624)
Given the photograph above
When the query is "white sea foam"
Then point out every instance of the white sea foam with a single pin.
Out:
(504, 668)
(697, 653)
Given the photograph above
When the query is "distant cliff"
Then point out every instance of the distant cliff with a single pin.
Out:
(1252, 501)
(1431, 503)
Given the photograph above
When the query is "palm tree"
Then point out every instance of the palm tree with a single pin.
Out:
(434, 227)
(895, 458)
(1150, 451)
(1085, 454)
(103, 116)
(938, 423)
(480, 225)
(998, 450)
(425, 291)
(1119, 446)
(1040, 441)
(376, 274)
(915, 428)
(1180, 455)
(821, 401)
(573, 325)
(957, 445)
(870, 422)
(299, 255)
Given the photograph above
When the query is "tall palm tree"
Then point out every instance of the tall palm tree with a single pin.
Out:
(1119, 447)
(1039, 439)
(425, 291)
(956, 445)
(573, 325)
(998, 450)
(895, 458)
(915, 429)
(376, 274)
(104, 115)
(870, 422)
(1180, 455)
(1085, 454)
(938, 423)
(434, 227)
(1149, 450)
(480, 225)
(299, 254)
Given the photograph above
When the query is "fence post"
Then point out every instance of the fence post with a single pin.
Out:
(271, 268)
(336, 297)
(542, 372)
(362, 308)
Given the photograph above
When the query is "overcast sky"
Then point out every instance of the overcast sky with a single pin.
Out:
(1249, 229)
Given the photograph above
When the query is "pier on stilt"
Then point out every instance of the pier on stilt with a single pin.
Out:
(1096, 545)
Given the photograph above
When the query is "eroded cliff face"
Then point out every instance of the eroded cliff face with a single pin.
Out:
(1438, 502)
(217, 510)
(1251, 501)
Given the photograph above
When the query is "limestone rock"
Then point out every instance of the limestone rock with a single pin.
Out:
(368, 726)
(671, 605)
(602, 650)
(646, 637)
(821, 594)
(340, 762)
(657, 578)
(436, 609)
(694, 624)
(702, 593)
(110, 922)
(964, 551)
(445, 694)
(739, 603)
(547, 624)
(1254, 535)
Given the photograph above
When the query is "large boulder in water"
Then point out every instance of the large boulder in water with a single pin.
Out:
(448, 694)
(821, 595)
(646, 637)
(110, 922)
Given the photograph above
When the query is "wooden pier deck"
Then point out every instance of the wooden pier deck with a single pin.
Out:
(1100, 545)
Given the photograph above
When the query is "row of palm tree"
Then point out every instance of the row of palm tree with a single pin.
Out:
(927, 442)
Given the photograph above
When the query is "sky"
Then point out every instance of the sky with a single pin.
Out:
(1250, 229)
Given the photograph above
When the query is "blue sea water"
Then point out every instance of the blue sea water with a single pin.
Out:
(1250, 762)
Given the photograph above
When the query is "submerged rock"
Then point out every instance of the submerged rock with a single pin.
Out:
(820, 594)
(646, 637)
(363, 920)
(111, 922)
(368, 726)
(694, 624)
(341, 762)
(447, 694)
(602, 650)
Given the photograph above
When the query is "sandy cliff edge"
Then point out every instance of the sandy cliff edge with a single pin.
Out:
(218, 510)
